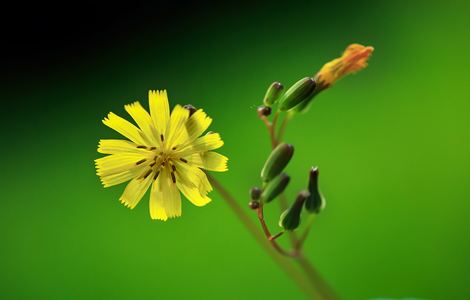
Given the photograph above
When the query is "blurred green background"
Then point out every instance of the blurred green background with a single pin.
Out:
(392, 144)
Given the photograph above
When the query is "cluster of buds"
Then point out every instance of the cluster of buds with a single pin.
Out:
(275, 181)
(309, 202)
(297, 98)
(300, 92)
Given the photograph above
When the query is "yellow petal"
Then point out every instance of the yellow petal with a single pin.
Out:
(110, 146)
(193, 194)
(172, 201)
(159, 110)
(165, 201)
(204, 143)
(193, 177)
(211, 161)
(125, 128)
(143, 119)
(134, 191)
(178, 119)
(197, 124)
(157, 210)
(118, 178)
(117, 163)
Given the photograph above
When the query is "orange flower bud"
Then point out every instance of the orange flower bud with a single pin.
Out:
(354, 59)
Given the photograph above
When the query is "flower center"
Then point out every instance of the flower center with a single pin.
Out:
(161, 159)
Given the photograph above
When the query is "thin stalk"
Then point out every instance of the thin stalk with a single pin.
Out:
(268, 234)
(303, 236)
(281, 261)
(283, 126)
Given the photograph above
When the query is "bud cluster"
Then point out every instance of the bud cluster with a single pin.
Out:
(275, 181)
(283, 105)
(295, 99)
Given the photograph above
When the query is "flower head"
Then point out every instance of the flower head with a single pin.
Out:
(354, 59)
(165, 152)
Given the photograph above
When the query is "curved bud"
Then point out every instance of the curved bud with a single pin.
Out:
(191, 109)
(264, 111)
(255, 193)
(290, 219)
(315, 202)
(300, 91)
(275, 187)
(273, 93)
(253, 204)
(277, 161)
(305, 105)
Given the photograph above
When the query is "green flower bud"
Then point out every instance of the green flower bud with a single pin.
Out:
(275, 187)
(277, 161)
(299, 92)
(290, 219)
(315, 203)
(305, 105)
(273, 93)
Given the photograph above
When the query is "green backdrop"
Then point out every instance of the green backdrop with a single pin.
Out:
(392, 143)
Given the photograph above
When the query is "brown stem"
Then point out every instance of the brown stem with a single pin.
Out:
(283, 262)
(271, 126)
(272, 131)
(277, 235)
(268, 234)
(282, 129)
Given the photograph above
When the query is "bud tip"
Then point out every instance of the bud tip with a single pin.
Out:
(191, 109)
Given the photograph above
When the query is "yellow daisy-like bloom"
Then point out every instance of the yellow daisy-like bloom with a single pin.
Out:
(354, 59)
(166, 152)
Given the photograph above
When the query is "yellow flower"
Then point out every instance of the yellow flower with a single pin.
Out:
(354, 59)
(166, 152)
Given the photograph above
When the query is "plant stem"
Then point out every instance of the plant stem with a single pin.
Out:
(283, 262)
(282, 128)
(268, 234)
(320, 284)
(303, 236)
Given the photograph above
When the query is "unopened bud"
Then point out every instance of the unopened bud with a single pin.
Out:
(191, 109)
(275, 187)
(273, 93)
(264, 111)
(277, 161)
(305, 105)
(253, 204)
(255, 193)
(290, 219)
(315, 203)
(300, 91)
